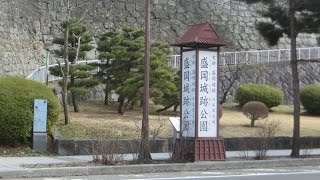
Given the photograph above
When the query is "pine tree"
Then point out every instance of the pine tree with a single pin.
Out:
(80, 75)
(122, 52)
(161, 77)
(290, 18)
(171, 99)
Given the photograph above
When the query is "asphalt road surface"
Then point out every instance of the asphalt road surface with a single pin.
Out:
(291, 173)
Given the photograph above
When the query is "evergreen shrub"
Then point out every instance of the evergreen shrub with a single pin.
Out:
(266, 94)
(16, 113)
(310, 98)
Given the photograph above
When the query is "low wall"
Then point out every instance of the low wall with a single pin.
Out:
(122, 146)
(253, 143)
(85, 147)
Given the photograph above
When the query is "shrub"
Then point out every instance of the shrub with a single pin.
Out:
(255, 110)
(16, 101)
(265, 133)
(310, 98)
(266, 94)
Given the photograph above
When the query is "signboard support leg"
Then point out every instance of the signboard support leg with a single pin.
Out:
(40, 142)
(190, 149)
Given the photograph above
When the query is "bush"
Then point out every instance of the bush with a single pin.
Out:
(266, 94)
(310, 98)
(255, 110)
(16, 113)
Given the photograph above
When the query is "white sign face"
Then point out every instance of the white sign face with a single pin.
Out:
(188, 76)
(207, 94)
(40, 116)
(175, 121)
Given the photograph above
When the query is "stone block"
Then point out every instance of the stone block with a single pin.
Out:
(65, 147)
(84, 147)
(40, 142)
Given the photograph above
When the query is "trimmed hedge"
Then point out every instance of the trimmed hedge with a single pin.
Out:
(16, 101)
(266, 94)
(310, 98)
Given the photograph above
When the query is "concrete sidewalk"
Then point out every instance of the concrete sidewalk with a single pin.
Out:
(13, 167)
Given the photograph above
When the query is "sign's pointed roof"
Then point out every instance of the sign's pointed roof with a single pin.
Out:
(200, 35)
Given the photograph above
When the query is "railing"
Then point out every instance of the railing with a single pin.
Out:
(226, 58)
(174, 61)
(42, 74)
(267, 56)
(260, 56)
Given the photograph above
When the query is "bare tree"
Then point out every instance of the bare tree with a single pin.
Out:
(229, 75)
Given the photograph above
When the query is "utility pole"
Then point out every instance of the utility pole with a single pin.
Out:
(296, 145)
(144, 149)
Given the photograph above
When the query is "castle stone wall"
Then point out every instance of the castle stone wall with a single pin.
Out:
(28, 26)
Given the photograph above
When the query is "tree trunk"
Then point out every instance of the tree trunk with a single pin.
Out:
(225, 93)
(224, 97)
(73, 95)
(128, 104)
(131, 105)
(252, 123)
(165, 108)
(65, 107)
(75, 102)
(106, 97)
(65, 74)
(175, 108)
(121, 104)
(295, 82)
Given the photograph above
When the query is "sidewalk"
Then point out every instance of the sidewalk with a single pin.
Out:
(12, 167)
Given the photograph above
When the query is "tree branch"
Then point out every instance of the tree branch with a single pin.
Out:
(81, 19)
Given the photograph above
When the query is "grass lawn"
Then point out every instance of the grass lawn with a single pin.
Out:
(233, 123)
(97, 121)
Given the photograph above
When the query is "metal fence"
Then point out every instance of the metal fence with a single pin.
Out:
(266, 56)
(226, 58)
(42, 74)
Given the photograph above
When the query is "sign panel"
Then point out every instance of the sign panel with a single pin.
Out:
(175, 121)
(188, 76)
(207, 94)
(40, 116)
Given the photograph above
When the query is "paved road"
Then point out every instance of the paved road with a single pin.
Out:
(292, 173)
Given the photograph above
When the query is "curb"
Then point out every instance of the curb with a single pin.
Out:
(155, 168)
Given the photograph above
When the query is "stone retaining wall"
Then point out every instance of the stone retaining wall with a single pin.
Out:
(28, 27)
(276, 74)
(85, 147)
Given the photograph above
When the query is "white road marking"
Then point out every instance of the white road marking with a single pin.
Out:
(216, 173)
(61, 179)
(226, 176)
